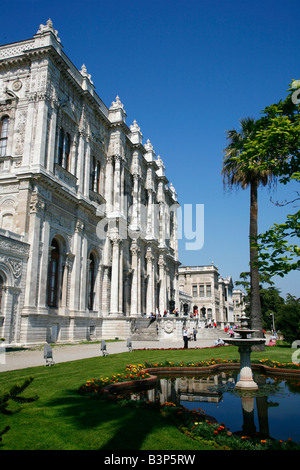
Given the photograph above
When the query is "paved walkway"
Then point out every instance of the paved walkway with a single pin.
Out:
(13, 360)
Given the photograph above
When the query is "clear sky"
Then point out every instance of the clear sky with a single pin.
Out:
(187, 71)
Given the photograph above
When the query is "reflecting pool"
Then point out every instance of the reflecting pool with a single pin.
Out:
(272, 411)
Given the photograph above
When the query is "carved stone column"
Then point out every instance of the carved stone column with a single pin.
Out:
(109, 183)
(117, 184)
(83, 291)
(80, 172)
(115, 276)
(163, 289)
(135, 216)
(105, 290)
(37, 208)
(52, 137)
(76, 271)
(150, 216)
(67, 268)
(41, 129)
(135, 284)
(44, 263)
(87, 170)
(162, 222)
(29, 130)
(121, 286)
(123, 209)
(150, 294)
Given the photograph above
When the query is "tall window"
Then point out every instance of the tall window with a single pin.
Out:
(95, 176)
(91, 282)
(60, 147)
(66, 162)
(64, 147)
(53, 275)
(3, 135)
(1, 291)
(201, 290)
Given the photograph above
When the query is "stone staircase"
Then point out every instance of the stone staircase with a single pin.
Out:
(143, 330)
(210, 333)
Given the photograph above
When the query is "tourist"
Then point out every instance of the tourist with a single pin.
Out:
(195, 334)
(185, 338)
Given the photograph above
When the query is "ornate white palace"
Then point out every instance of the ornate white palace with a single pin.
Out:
(88, 237)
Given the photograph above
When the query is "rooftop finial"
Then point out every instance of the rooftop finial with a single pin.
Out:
(48, 27)
(84, 73)
(117, 104)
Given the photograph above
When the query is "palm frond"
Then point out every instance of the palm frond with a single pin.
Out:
(234, 171)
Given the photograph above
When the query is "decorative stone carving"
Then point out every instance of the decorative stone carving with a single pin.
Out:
(84, 73)
(135, 249)
(79, 226)
(16, 267)
(168, 326)
(37, 206)
(48, 27)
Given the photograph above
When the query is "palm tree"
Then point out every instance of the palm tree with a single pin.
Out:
(235, 174)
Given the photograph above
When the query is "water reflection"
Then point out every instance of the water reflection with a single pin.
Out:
(276, 414)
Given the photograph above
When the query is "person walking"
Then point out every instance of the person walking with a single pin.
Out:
(195, 334)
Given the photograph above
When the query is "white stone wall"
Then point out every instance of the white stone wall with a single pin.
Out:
(74, 174)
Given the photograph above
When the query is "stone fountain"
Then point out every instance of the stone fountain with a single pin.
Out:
(244, 343)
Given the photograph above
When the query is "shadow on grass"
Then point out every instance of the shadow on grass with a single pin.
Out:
(116, 427)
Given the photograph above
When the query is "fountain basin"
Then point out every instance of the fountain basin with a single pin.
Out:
(240, 342)
(246, 381)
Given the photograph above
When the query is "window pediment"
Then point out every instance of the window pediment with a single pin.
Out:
(70, 112)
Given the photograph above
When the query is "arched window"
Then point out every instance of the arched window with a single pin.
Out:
(53, 275)
(98, 178)
(3, 135)
(1, 291)
(92, 175)
(95, 176)
(91, 281)
(64, 147)
(66, 162)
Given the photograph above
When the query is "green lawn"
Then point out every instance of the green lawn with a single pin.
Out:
(62, 419)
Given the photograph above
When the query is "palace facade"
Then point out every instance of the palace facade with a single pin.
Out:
(88, 224)
(210, 295)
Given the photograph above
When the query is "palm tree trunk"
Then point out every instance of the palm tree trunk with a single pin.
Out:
(255, 304)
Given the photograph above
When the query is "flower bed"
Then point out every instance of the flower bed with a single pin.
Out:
(196, 424)
(134, 375)
(288, 369)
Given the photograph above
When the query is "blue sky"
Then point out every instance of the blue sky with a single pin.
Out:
(187, 71)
